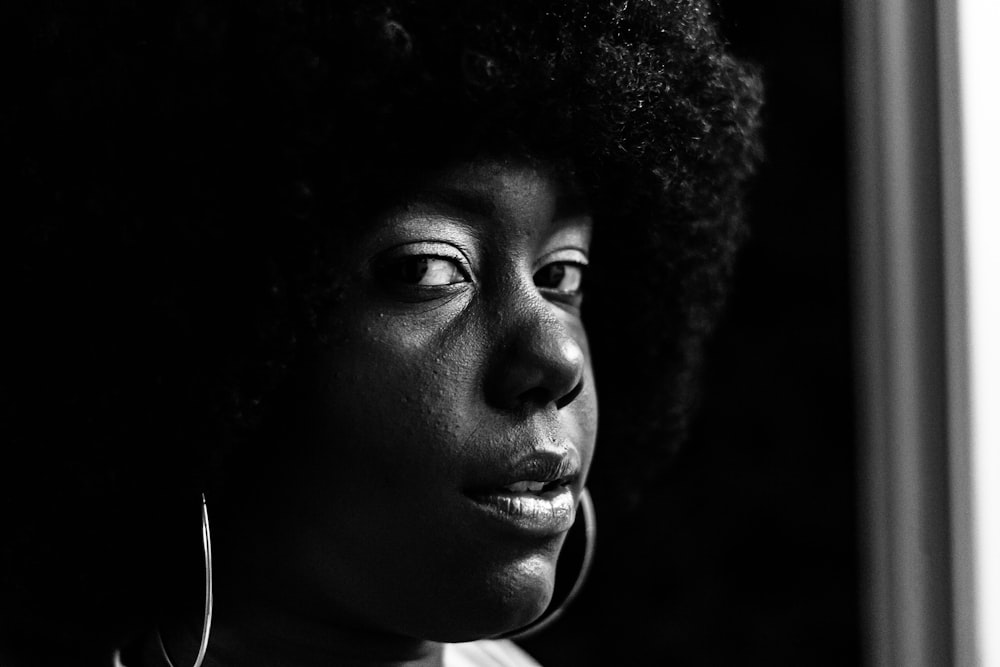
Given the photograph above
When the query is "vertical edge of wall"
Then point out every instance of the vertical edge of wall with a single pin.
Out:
(898, 248)
(863, 163)
(964, 620)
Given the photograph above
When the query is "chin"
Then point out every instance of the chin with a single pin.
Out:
(505, 604)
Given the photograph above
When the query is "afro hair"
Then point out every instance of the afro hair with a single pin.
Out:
(180, 175)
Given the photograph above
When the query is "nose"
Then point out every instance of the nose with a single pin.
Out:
(540, 360)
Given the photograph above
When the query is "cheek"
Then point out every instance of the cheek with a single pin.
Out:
(584, 411)
(396, 430)
(393, 404)
(396, 406)
(580, 417)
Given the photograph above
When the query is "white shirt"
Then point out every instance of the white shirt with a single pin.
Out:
(482, 653)
(487, 653)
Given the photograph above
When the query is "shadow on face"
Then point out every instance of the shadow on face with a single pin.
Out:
(454, 423)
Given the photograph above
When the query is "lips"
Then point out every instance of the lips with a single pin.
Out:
(534, 487)
(533, 495)
(547, 467)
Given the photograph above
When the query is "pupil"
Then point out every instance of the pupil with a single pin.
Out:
(414, 270)
(556, 274)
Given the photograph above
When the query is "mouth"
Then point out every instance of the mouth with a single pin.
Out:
(539, 488)
(536, 494)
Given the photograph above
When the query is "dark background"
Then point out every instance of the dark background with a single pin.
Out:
(746, 553)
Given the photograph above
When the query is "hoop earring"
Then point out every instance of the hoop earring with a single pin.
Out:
(553, 613)
(206, 627)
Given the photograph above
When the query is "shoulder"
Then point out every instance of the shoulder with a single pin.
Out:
(487, 653)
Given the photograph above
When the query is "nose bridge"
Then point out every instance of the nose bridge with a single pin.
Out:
(539, 359)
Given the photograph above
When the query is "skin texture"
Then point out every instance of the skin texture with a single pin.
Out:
(436, 385)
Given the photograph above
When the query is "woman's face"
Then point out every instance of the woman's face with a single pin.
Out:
(457, 414)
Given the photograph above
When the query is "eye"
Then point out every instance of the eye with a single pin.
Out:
(561, 277)
(423, 271)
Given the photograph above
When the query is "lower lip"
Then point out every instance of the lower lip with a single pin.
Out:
(543, 515)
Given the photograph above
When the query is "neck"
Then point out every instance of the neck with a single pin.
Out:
(267, 637)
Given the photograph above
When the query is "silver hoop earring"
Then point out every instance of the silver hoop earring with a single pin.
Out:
(557, 608)
(206, 627)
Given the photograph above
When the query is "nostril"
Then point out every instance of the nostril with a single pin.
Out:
(536, 395)
(568, 398)
(543, 396)
(540, 364)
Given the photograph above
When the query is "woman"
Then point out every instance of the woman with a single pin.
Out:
(316, 270)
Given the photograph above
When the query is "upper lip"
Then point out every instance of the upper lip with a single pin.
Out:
(542, 464)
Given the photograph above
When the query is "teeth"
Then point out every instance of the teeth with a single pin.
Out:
(521, 487)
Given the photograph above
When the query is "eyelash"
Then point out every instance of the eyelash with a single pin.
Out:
(412, 269)
(575, 271)
(405, 273)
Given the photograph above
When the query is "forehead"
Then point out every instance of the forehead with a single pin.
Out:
(519, 195)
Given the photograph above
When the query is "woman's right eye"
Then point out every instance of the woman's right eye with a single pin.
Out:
(423, 271)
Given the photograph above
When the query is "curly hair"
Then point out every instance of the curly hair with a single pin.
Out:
(179, 176)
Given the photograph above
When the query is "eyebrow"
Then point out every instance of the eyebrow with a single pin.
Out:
(458, 200)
